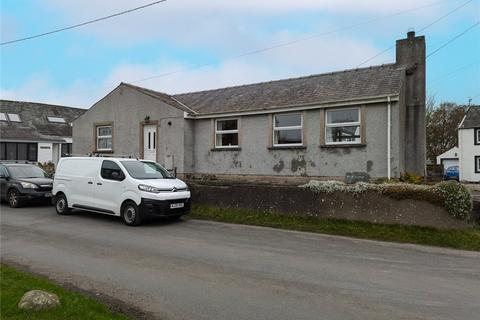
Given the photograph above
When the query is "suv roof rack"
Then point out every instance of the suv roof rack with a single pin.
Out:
(18, 161)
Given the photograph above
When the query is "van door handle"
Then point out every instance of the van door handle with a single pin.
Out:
(99, 183)
(90, 182)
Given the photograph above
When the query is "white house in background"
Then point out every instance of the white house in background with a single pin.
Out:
(35, 131)
(449, 158)
(469, 145)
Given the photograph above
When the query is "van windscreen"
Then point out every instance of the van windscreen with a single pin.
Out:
(146, 170)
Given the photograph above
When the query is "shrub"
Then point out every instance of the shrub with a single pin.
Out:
(457, 199)
(413, 178)
(48, 167)
(454, 196)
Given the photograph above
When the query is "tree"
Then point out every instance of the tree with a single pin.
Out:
(442, 124)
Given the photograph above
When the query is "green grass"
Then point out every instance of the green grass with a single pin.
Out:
(468, 239)
(14, 283)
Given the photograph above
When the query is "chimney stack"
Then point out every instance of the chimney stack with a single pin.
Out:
(410, 55)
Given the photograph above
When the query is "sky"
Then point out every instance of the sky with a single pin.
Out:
(190, 45)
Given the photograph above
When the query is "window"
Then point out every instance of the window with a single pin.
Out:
(146, 170)
(3, 116)
(13, 117)
(226, 133)
(110, 170)
(18, 151)
(66, 149)
(477, 164)
(477, 136)
(342, 126)
(288, 129)
(104, 138)
(56, 119)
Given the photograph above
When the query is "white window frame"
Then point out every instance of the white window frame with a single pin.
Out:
(343, 124)
(3, 116)
(275, 128)
(104, 137)
(217, 132)
(10, 115)
(55, 119)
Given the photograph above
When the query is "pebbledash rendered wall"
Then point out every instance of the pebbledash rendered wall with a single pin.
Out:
(257, 158)
(126, 108)
(291, 200)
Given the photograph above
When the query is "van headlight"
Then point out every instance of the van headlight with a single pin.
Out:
(146, 188)
(28, 185)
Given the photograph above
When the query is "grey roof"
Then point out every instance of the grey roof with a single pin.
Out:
(170, 100)
(315, 89)
(472, 118)
(34, 125)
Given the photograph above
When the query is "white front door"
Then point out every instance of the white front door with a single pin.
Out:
(150, 142)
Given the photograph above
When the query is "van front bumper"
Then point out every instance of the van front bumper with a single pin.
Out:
(151, 207)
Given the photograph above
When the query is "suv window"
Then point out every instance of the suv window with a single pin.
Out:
(110, 170)
(3, 171)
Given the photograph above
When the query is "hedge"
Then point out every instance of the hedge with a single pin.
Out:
(454, 196)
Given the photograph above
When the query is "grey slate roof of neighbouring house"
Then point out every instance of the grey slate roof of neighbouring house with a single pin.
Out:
(34, 125)
(321, 88)
(472, 118)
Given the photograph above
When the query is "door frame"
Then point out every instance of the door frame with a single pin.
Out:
(141, 145)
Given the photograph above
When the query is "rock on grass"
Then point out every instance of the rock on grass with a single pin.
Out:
(38, 300)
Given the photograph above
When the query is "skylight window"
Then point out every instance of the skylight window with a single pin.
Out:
(14, 117)
(56, 119)
(3, 116)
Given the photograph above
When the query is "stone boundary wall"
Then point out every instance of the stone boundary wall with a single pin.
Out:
(369, 206)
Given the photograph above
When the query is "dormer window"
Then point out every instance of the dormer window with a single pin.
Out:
(56, 119)
(13, 117)
(3, 116)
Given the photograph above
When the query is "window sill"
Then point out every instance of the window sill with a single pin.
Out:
(226, 149)
(350, 145)
(287, 148)
(102, 151)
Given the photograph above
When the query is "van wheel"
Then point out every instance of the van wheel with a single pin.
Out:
(131, 214)
(14, 199)
(61, 205)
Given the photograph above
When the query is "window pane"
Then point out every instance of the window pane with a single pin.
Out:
(56, 119)
(3, 117)
(105, 143)
(3, 153)
(14, 117)
(343, 134)
(223, 125)
(105, 131)
(108, 167)
(288, 120)
(288, 137)
(11, 151)
(32, 152)
(227, 139)
(66, 149)
(22, 151)
(342, 116)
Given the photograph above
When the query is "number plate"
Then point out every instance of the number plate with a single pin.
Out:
(176, 205)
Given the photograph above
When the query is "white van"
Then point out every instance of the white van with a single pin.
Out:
(123, 187)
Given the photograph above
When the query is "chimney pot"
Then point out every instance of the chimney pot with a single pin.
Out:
(411, 34)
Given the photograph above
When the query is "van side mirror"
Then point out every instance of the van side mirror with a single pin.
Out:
(116, 175)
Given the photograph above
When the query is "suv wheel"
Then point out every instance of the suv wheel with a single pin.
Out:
(131, 214)
(14, 199)
(61, 205)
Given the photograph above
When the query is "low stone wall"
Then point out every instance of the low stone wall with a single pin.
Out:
(369, 206)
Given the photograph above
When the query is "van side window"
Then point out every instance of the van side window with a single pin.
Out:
(111, 170)
(3, 171)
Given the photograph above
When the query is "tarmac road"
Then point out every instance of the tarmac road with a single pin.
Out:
(205, 270)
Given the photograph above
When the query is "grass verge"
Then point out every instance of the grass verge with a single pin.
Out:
(468, 239)
(14, 283)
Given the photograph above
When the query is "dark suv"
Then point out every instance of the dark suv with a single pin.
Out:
(23, 182)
